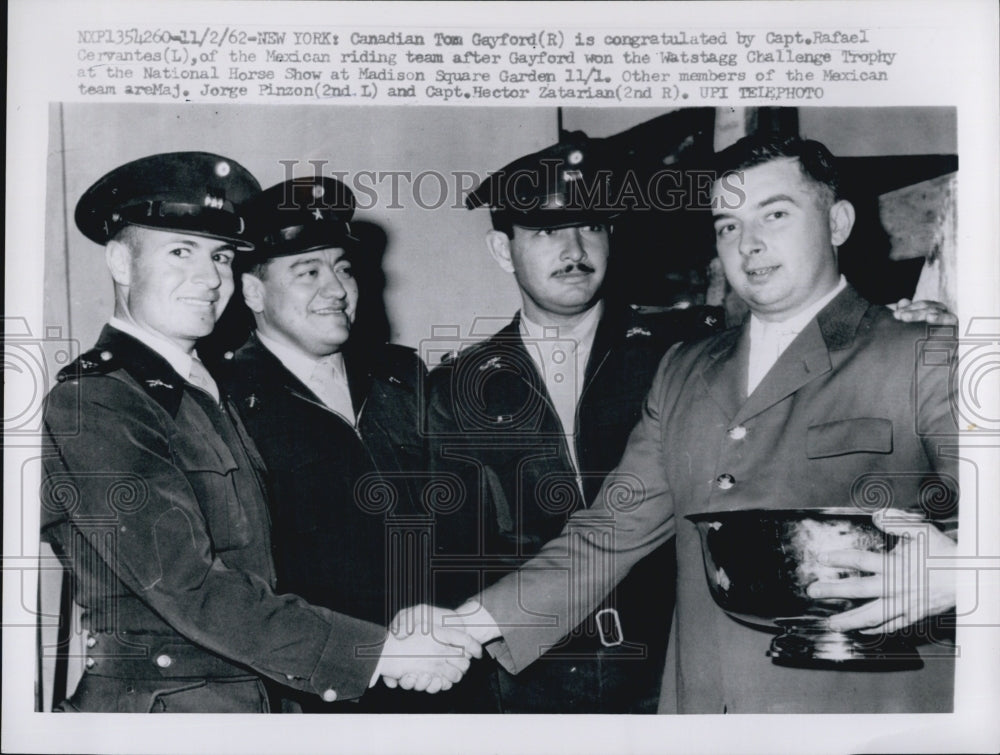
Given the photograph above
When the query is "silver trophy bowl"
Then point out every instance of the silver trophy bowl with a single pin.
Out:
(759, 562)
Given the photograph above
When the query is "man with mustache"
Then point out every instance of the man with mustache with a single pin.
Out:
(816, 393)
(152, 490)
(335, 418)
(532, 419)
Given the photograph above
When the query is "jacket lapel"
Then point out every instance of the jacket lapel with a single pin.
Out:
(515, 372)
(725, 375)
(805, 359)
(273, 375)
(146, 367)
(611, 325)
(358, 364)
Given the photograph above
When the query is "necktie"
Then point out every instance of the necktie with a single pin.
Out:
(564, 380)
(329, 383)
(200, 378)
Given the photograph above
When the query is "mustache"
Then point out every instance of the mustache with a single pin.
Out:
(581, 267)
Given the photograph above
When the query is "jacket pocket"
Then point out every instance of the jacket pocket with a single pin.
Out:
(849, 436)
(209, 467)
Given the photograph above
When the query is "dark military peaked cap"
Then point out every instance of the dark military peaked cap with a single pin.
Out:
(566, 184)
(300, 215)
(189, 192)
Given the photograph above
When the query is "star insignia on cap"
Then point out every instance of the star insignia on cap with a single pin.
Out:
(318, 214)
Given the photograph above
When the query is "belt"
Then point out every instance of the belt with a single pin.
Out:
(609, 627)
(154, 656)
(601, 633)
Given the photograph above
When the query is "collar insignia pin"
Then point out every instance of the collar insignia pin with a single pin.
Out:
(491, 363)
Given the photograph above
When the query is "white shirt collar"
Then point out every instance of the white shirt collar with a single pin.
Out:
(581, 334)
(797, 322)
(299, 364)
(179, 359)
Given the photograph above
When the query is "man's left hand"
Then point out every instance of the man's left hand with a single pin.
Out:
(904, 586)
(924, 310)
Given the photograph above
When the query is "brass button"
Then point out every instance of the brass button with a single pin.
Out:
(91, 663)
(725, 481)
(163, 660)
(738, 433)
(329, 696)
(91, 641)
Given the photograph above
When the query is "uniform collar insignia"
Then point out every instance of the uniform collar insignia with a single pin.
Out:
(145, 366)
(491, 363)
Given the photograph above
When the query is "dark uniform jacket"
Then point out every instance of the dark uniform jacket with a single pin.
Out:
(339, 495)
(493, 426)
(344, 500)
(153, 494)
(856, 411)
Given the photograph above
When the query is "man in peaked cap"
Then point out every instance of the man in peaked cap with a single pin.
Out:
(152, 490)
(336, 420)
(533, 419)
(818, 396)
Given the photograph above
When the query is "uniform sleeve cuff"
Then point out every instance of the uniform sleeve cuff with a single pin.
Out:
(348, 660)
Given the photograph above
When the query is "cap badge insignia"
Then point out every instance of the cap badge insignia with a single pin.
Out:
(633, 332)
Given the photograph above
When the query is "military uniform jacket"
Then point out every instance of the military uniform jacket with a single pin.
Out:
(152, 492)
(855, 411)
(493, 427)
(342, 499)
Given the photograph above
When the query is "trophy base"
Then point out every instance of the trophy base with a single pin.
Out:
(808, 643)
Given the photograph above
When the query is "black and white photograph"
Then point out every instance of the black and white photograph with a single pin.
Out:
(479, 414)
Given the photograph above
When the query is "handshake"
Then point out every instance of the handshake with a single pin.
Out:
(429, 649)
